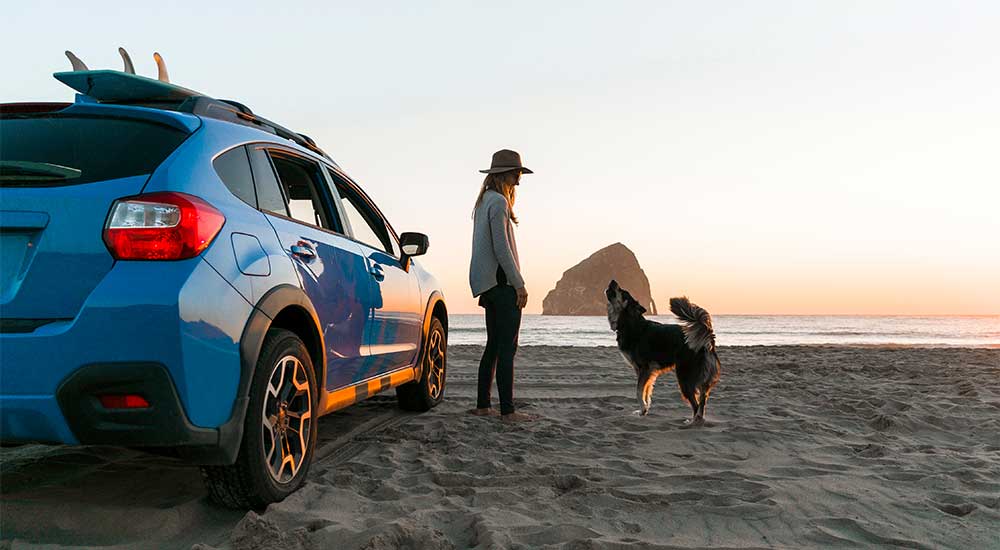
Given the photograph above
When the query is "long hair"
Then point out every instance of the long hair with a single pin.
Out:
(504, 183)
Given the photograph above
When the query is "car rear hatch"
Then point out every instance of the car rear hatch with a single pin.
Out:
(60, 172)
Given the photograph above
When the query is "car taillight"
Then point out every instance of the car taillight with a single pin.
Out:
(161, 226)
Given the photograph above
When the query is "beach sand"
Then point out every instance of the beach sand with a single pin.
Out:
(806, 447)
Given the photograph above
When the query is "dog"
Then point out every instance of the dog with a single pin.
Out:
(652, 349)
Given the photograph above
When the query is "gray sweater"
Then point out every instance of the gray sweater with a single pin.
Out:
(493, 245)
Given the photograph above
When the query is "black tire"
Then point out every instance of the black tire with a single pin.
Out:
(424, 394)
(251, 482)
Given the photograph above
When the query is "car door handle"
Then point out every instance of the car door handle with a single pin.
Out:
(376, 272)
(303, 251)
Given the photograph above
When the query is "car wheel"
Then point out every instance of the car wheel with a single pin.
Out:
(426, 392)
(279, 432)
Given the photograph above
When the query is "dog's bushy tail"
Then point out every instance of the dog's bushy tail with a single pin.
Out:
(697, 324)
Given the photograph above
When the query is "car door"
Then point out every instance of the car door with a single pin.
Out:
(396, 315)
(293, 194)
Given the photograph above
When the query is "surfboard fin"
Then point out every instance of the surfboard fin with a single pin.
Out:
(129, 68)
(75, 61)
(161, 68)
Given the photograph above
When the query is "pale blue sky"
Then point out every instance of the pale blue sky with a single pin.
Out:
(764, 157)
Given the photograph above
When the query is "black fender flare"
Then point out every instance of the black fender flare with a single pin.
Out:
(251, 342)
(436, 297)
(267, 308)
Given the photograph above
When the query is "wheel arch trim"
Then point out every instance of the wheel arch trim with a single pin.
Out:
(435, 300)
(268, 308)
(273, 303)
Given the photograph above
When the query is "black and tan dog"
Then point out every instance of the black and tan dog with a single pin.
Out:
(653, 348)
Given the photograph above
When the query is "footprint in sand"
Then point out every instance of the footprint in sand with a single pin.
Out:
(841, 531)
(957, 510)
(628, 527)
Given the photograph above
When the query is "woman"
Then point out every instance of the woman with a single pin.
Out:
(495, 277)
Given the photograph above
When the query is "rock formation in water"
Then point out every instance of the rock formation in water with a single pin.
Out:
(580, 291)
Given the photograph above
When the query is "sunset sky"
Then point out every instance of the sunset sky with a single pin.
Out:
(760, 157)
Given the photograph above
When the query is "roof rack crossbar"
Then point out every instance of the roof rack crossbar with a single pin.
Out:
(237, 113)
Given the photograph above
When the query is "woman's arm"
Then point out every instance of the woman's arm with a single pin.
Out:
(499, 220)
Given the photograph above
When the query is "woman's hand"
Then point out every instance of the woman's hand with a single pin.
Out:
(522, 297)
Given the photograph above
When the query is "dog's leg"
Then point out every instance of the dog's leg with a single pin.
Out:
(647, 392)
(700, 415)
(640, 391)
(691, 396)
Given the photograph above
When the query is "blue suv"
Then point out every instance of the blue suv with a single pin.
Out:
(181, 273)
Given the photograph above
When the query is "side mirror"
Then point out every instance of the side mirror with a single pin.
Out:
(413, 244)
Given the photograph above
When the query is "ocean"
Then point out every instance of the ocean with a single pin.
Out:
(749, 330)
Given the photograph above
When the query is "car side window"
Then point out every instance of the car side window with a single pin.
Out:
(233, 168)
(269, 196)
(366, 224)
(303, 185)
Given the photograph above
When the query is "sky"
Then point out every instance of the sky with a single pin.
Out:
(760, 157)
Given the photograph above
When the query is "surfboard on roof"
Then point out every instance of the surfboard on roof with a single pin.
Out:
(126, 87)
(116, 86)
(123, 86)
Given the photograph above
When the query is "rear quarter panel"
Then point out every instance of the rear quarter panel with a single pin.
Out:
(190, 170)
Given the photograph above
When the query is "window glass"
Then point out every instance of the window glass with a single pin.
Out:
(233, 168)
(368, 227)
(48, 150)
(268, 193)
(303, 184)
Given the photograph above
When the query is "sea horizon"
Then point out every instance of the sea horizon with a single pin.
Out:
(972, 331)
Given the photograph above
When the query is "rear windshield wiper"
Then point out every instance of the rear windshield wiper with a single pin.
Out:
(14, 172)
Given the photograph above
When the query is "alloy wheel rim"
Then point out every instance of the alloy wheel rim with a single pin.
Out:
(435, 363)
(286, 419)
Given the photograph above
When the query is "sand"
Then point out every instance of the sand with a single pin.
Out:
(806, 447)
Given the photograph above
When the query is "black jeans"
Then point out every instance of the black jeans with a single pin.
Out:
(503, 322)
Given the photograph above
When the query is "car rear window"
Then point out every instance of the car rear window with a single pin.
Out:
(69, 150)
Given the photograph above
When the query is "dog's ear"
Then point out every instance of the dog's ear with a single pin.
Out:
(632, 302)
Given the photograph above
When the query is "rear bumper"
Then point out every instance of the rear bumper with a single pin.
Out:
(162, 424)
(33, 418)
(169, 329)
(75, 415)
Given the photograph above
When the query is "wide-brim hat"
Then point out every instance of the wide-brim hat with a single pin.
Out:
(506, 160)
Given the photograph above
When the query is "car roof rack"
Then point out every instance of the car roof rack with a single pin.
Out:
(237, 113)
(128, 88)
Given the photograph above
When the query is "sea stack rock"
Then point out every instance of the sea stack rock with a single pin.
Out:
(581, 289)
